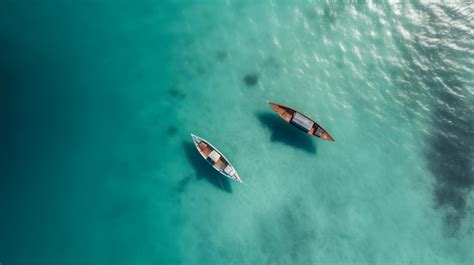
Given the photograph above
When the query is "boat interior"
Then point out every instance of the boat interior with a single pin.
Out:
(212, 156)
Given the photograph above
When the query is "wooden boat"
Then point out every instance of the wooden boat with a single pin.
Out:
(215, 158)
(301, 121)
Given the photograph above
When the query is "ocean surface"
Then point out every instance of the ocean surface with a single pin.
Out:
(98, 99)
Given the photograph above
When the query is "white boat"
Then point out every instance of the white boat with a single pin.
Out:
(215, 158)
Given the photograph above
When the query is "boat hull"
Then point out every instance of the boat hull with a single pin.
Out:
(214, 157)
(301, 121)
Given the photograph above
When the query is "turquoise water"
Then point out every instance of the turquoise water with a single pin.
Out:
(99, 99)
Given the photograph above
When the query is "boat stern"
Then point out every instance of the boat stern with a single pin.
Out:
(328, 137)
(274, 106)
(238, 179)
(282, 111)
(196, 138)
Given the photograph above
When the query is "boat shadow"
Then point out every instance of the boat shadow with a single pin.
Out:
(286, 133)
(204, 170)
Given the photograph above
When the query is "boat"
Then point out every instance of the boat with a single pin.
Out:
(215, 158)
(301, 121)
